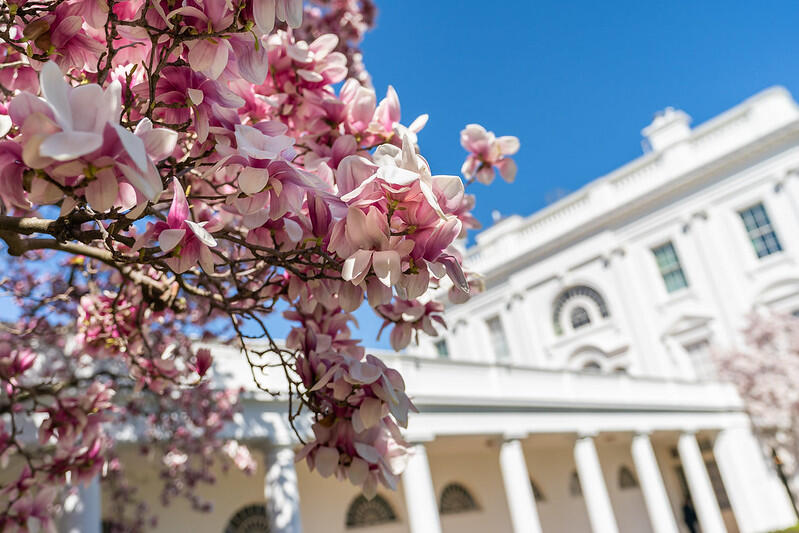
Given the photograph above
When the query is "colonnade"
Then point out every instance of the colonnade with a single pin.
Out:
(745, 475)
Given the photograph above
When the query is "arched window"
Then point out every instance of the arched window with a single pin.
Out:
(579, 317)
(247, 519)
(363, 512)
(585, 294)
(455, 498)
(627, 478)
(575, 489)
(537, 494)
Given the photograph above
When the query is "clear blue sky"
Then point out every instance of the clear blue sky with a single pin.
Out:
(575, 81)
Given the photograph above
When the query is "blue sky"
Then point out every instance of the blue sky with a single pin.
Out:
(575, 81)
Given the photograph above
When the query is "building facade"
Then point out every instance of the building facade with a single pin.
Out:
(576, 393)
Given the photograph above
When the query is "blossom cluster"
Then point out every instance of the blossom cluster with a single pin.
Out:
(764, 370)
(212, 161)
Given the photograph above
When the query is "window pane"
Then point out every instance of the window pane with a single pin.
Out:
(760, 231)
(498, 341)
(442, 350)
(579, 317)
(670, 268)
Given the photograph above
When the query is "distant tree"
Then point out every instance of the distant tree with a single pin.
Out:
(173, 167)
(765, 372)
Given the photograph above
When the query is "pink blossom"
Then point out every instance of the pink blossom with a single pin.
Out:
(265, 12)
(486, 153)
(185, 241)
(203, 361)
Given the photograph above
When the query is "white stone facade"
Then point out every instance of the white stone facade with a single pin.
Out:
(577, 392)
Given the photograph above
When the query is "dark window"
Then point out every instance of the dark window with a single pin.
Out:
(670, 268)
(537, 493)
(442, 350)
(575, 489)
(498, 340)
(760, 231)
(455, 498)
(627, 478)
(579, 317)
(363, 512)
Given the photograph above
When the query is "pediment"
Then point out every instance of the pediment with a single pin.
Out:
(687, 323)
(778, 291)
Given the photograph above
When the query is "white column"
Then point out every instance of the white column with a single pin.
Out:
(707, 508)
(600, 512)
(281, 491)
(657, 501)
(420, 497)
(518, 491)
(82, 509)
(758, 499)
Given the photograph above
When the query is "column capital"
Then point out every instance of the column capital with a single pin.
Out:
(591, 434)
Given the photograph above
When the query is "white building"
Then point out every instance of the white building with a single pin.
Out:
(576, 394)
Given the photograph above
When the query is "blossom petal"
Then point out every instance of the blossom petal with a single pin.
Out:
(169, 238)
(356, 266)
(507, 169)
(148, 183)
(102, 192)
(263, 11)
(387, 265)
(134, 146)
(253, 180)
(201, 233)
(56, 91)
(65, 146)
(326, 460)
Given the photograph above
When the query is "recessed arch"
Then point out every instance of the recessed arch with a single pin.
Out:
(363, 512)
(587, 295)
(455, 498)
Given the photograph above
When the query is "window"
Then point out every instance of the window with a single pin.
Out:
(498, 341)
(670, 268)
(456, 499)
(363, 512)
(249, 518)
(441, 349)
(587, 296)
(760, 231)
(626, 478)
(575, 489)
(701, 358)
(579, 317)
